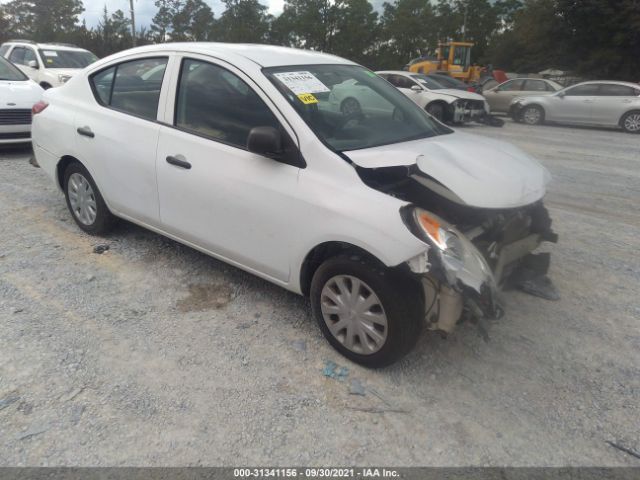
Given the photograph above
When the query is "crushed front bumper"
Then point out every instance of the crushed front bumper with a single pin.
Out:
(474, 290)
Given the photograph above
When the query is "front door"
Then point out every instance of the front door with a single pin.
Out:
(574, 106)
(213, 192)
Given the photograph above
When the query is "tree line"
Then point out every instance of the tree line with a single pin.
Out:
(593, 38)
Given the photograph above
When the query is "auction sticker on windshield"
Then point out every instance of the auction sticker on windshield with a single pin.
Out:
(301, 82)
(307, 98)
(50, 53)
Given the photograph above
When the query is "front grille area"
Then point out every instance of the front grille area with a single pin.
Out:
(14, 135)
(472, 104)
(15, 116)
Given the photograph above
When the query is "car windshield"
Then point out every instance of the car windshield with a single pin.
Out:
(428, 82)
(9, 72)
(66, 58)
(448, 82)
(349, 107)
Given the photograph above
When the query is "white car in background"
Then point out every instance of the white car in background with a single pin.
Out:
(387, 219)
(445, 104)
(18, 94)
(48, 64)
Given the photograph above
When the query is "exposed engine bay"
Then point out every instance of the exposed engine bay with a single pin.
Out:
(474, 252)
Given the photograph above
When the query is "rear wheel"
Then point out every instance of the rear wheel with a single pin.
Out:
(532, 115)
(630, 122)
(370, 315)
(85, 202)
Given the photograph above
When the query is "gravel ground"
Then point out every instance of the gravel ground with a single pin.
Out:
(154, 354)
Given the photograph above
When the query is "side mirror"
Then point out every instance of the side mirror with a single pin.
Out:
(265, 141)
(416, 88)
(33, 64)
(561, 94)
(269, 142)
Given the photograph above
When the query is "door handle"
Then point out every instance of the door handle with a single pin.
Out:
(178, 162)
(86, 131)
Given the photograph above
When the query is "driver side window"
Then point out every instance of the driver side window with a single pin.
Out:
(217, 104)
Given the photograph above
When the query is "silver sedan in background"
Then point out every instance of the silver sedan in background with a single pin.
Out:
(501, 96)
(598, 103)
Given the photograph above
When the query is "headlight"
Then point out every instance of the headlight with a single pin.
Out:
(63, 78)
(439, 233)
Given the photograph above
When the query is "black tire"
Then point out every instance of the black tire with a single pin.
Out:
(401, 298)
(532, 115)
(104, 219)
(436, 110)
(630, 122)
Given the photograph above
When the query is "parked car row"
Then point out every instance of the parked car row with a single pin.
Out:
(48, 64)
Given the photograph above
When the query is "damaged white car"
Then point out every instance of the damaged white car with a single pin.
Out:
(387, 221)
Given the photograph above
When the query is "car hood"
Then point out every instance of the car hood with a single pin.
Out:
(22, 94)
(478, 171)
(459, 94)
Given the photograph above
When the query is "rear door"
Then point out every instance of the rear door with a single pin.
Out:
(117, 134)
(613, 101)
(213, 192)
(500, 97)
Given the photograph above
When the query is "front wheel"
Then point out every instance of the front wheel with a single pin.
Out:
(85, 202)
(436, 110)
(532, 115)
(631, 122)
(370, 315)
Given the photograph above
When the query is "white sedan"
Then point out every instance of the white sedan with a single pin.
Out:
(446, 104)
(386, 221)
(17, 95)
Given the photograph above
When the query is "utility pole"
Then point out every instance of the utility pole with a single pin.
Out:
(133, 24)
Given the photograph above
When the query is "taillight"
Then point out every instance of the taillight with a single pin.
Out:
(39, 107)
(471, 89)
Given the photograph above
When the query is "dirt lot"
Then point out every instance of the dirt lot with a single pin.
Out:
(154, 354)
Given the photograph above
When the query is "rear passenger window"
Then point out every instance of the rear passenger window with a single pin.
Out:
(132, 87)
(613, 90)
(535, 86)
(216, 103)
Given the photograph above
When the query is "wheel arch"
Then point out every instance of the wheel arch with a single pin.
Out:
(445, 108)
(62, 165)
(322, 252)
(633, 110)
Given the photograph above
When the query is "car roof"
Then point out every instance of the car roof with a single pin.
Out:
(263, 55)
(612, 82)
(51, 46)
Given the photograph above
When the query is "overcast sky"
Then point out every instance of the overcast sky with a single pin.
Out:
(146, 9)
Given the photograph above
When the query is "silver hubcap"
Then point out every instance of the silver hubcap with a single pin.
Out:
(354, 314)
(532, 115)
(82, 199)
(632, 122)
